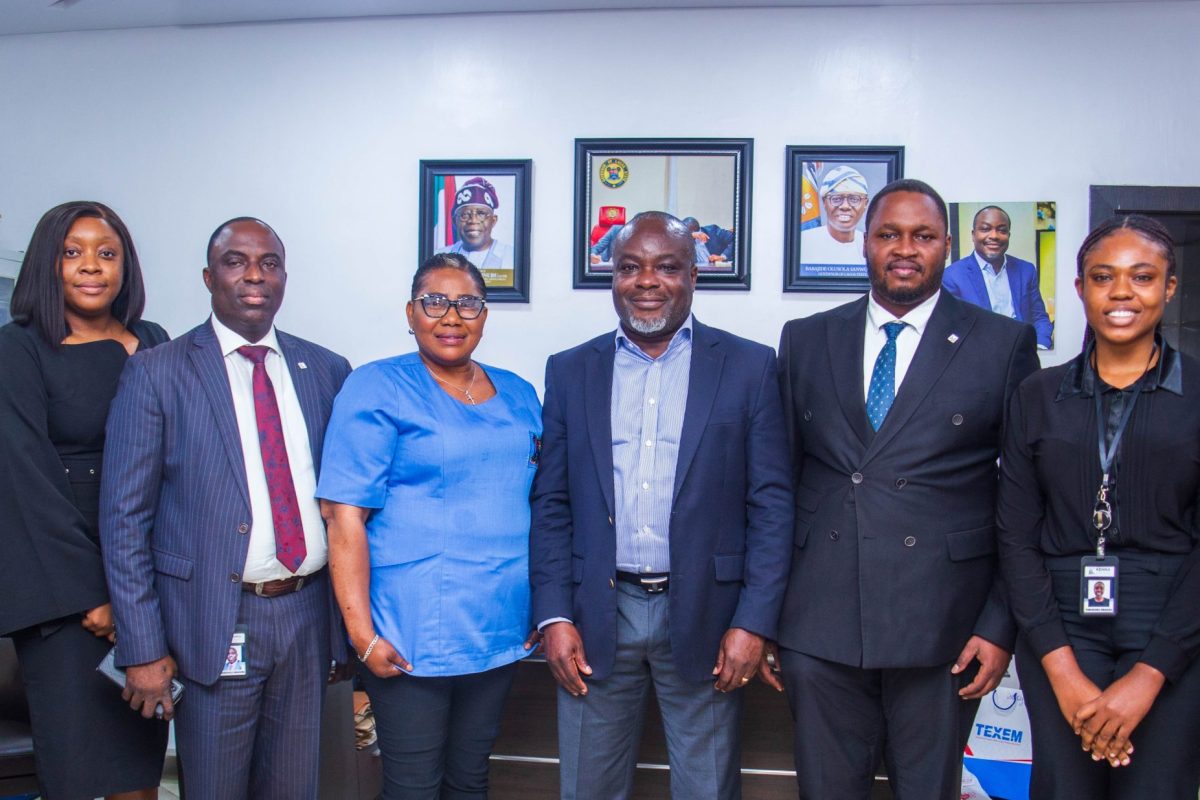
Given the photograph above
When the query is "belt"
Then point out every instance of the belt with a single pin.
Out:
(653, 583)
(280, 587)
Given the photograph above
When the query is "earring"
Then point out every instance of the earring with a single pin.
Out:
(411, 331)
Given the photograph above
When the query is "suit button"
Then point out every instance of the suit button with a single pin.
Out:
(610, 522)
(909, 541)
(856, 478)
(834, 535)
(901, 483)
(808, 416)
(235, 578)
(956, 419)
(612, 584)
(243, 528)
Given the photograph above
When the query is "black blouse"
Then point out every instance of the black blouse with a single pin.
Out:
(1049, 475)
(53, 407)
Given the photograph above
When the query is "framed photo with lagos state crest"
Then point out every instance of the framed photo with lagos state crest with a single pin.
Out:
(704, 182)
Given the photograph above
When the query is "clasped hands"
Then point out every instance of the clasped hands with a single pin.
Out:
(1103, 720)
(738, 659)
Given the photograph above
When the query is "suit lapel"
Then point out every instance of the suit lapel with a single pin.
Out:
(705, 375)
(307, 391)
(948, 327)
(975, 276)
(1014, 286)
(597, 385)
(206, 358)
(846, 337)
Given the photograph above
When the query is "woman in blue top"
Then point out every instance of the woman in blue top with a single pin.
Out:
(424, 484)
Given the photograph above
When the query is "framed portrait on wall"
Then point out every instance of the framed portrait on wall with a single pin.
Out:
(1003, 258)
(828, 190)
(480, 209)
(704, 182)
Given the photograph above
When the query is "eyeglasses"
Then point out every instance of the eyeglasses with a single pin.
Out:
(855, 200)
(437, 306)
(472, 215)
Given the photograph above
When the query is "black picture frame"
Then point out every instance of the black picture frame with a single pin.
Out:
(512, 181)
(879, 166)
(733, 165)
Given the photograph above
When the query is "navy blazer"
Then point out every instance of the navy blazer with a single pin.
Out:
(720, 241)
(963, 280)
(731, 516)
(174, 505)
(895, 546)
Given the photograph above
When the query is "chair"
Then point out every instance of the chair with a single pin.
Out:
(17, 773)
(606, 218)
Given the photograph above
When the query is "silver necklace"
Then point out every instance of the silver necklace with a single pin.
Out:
(466, 391)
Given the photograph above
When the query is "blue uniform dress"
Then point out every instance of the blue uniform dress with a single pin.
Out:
(448, 484)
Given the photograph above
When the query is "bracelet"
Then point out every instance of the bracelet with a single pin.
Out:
(363, 658)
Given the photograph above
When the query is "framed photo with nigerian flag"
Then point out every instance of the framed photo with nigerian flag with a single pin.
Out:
(480, 209)
(828, 191)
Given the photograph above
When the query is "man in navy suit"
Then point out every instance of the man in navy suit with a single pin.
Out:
(990, 278)
(212, 537)
(719, 243)
(895, 623)
(662, 513)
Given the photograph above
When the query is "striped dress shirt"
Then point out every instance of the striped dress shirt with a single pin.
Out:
(649, 396)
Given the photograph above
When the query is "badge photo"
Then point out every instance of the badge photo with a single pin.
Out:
(235, 657)
(1098, 586)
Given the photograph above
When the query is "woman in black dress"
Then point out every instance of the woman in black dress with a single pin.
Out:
(77, 308)
(1097, 524)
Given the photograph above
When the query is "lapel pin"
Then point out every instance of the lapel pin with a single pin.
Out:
(301, 365)
(952, 338)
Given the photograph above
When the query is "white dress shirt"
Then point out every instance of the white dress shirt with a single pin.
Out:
(261, 564)
(906, 343)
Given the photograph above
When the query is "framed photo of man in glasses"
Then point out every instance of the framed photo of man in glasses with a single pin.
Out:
(828, 190)
(480, 209)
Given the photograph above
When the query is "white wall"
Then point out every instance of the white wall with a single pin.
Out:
(318, 127)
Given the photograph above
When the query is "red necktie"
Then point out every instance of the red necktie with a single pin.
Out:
(285, 511)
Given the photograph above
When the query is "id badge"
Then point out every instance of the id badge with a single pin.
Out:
(1098, 586)
(235, 657)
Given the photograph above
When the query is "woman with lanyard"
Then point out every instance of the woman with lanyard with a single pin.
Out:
(1096, 518)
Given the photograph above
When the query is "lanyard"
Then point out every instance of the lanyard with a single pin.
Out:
(1102, 512)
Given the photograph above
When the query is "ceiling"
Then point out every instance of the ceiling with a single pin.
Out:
(48, 16)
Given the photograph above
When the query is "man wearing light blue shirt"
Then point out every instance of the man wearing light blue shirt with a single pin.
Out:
(661, 529)
(990, 278)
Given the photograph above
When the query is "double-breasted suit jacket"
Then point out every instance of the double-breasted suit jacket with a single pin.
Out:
(894, 562)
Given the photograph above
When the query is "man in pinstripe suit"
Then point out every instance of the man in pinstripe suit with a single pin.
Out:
(210, 531)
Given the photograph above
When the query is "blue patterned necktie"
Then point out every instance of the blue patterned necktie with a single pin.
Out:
(883, 378)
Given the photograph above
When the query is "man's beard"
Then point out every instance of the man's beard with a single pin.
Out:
(649, 327)
(904, 296)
